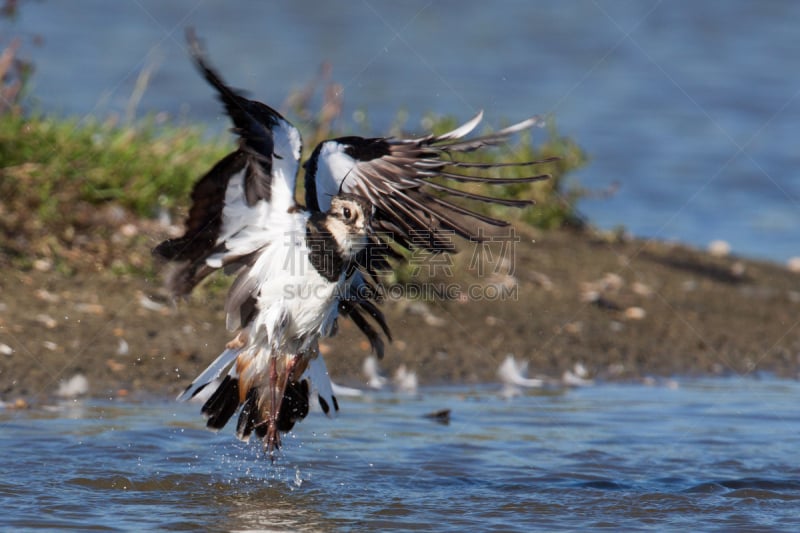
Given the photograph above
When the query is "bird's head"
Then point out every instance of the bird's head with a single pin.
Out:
(348, 221)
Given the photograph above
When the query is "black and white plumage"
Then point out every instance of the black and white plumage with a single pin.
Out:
(299, 268)
(284, 298)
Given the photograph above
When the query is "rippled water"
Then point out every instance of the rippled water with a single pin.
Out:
(705, 455)
(691, 107)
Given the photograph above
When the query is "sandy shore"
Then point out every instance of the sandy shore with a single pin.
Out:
(622, 308)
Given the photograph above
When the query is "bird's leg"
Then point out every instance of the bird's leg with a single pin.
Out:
(277, 392)
(287, 375)
(273, 439)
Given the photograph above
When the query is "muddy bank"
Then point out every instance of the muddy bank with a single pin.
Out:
(624, 309)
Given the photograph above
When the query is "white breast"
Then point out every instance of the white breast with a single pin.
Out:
(295, 303)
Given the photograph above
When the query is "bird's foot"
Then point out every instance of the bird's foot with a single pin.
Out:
(237, 342)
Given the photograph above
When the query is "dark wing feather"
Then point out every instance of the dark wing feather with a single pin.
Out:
(253, 122)
(203, 226)
(249, 416)
(234, 193)
(350, 310)
(357, 297)
(222, 404)
(395, 175)
(411, 210)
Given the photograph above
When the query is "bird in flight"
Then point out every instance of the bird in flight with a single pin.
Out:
(298, 268)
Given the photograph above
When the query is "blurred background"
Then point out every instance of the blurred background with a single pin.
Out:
(687, 110)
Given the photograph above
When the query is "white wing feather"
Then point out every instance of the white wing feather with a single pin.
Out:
(317, 374)
(213, 372)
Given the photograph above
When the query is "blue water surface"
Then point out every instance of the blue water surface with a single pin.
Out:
(707, 455)
(691, 108)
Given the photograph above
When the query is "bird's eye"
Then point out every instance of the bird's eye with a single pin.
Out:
(346, 213)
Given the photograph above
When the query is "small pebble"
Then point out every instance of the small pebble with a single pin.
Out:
(46, 296)
(115, 366)
(129, 230)
(612, 282)
(641, 289)
(616, 369)
(434, 321)
(43, 265)
(122, 347)
(589, 295)
(543, 281)
(75, 386)
(46, 320)
(405, 380)
(92, 309)
(719, 248)
(635, 313)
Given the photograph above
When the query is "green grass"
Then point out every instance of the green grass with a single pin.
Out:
(555, 199)
(48, 165)
(56, 175)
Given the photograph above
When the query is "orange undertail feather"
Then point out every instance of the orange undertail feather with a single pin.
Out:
(272, 399)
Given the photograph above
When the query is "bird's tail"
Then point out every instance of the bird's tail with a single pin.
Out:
(273, 392)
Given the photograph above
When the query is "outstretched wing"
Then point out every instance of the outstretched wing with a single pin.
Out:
(395, 175)
(244, 191)
(411, 209)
